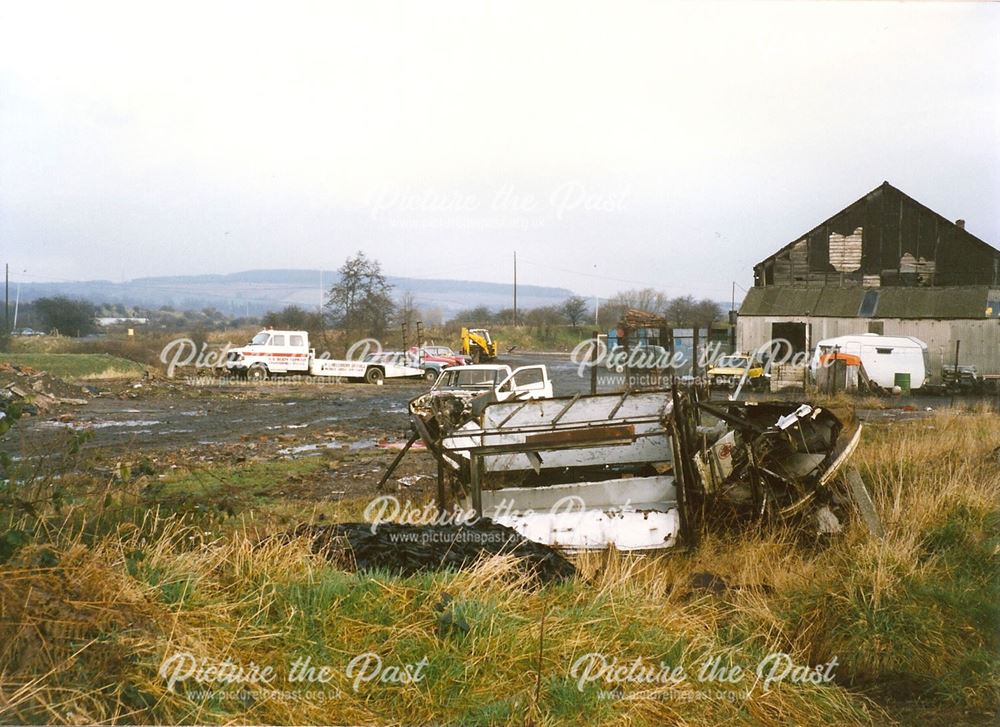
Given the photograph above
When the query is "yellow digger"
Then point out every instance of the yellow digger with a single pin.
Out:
(478, 344)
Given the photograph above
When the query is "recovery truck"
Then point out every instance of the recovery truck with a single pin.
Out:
(273, 353)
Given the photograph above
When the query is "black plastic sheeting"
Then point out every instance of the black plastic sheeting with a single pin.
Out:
(408, 549)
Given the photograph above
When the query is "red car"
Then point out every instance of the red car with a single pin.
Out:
(439, 354)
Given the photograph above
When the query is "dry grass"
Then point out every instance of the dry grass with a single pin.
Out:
(85, 625)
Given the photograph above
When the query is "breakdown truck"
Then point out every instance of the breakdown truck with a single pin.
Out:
(273, 352)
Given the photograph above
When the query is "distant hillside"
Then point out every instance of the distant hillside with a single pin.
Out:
(253, 292)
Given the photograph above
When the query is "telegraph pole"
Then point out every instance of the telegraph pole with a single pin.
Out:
(515, 288)
(6, 297)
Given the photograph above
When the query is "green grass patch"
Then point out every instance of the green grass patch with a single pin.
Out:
(76, 365)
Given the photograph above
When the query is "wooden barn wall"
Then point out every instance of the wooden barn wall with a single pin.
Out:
(892, 226)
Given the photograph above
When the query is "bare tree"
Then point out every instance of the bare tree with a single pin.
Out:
(481, 315)
(361, 301)
(685, 311)
(575, 308)
(406, 312)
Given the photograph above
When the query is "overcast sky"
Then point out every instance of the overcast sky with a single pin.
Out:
(612, 145)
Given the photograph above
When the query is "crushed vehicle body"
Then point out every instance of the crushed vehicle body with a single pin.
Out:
(461, 392)
(639, 470)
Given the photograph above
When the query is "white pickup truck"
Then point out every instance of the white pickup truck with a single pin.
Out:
(273, 352)
(461, 392)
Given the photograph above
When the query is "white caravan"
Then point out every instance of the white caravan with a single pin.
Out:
(882, 357)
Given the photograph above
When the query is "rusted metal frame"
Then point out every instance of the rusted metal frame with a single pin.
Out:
(434, 446)
(569, 405)
(553, 447)
(735, 420)
(621, 401)
(539, 428)
(397, 459)
(476, 482)
(756, 489)
(511, 415)
(683, 475)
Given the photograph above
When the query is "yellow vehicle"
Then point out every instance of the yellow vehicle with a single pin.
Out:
(478, 344)
(728, 370)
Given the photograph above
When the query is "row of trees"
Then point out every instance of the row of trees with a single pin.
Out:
(69, 316)
(362, 303)
(576, 311)
(77, 317)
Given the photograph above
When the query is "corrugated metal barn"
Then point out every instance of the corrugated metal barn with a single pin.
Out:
(886, 264)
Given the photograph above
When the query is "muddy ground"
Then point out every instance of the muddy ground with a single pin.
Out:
(357, 427)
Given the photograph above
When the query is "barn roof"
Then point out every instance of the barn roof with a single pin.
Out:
(967, 301)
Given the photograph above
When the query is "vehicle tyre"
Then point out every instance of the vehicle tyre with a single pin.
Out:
(257, 372)
(430, 375)
(374, 375)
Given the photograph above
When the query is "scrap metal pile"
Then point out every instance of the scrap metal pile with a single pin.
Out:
(638, 470)
(760, 459)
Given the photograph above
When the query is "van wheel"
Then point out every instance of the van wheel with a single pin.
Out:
(430, 375)
(374, 376)
(257, 372)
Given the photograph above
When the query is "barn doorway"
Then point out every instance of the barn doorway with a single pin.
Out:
(796, 334)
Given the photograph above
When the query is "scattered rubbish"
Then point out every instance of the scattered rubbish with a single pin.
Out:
(409, 549)
(827, 522)
(863, 499)
(411, 480)
(38, 388)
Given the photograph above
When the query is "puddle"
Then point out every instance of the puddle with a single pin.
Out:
(60, 425)
(317, 447)
(125, 423)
